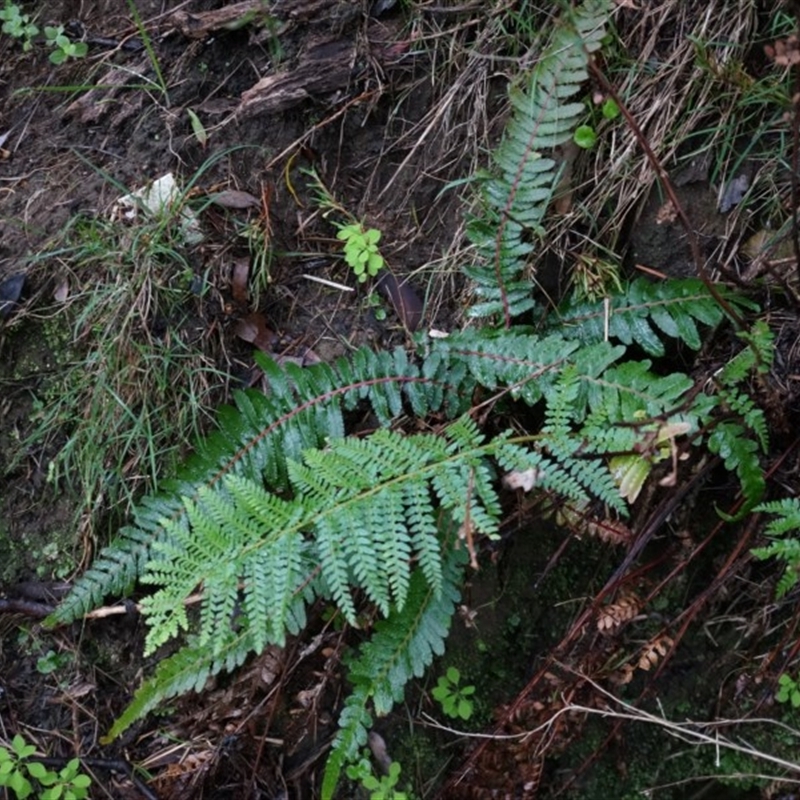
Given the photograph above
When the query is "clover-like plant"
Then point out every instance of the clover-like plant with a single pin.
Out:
(382, 788)
(455, 699)
(63, 47)
(788, 690)
(17, 768)
(18, 25)
(361, 249)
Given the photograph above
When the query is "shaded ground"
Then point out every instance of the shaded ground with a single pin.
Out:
(386, 117)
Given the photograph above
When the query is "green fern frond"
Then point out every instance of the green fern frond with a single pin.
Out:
(631, 392)
(739, 453)
(788, 515)
(349, 516)
(526, 364)
(516, 195)
(643, 310)
(304, 409)
(787, 520)
(751, 415)
(401, 648)
(185, 671)
(756, 357)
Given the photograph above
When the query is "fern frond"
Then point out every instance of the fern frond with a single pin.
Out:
(516, 195)
(632, 392)
(784, 549)
(186, 671)
(519, 360)
(739, 453)
(788, 515)
(305, 409)
(673, 308)
(756, 357)
(353, 517)
(401, 648)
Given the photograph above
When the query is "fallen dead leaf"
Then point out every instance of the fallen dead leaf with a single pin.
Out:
(235, 198)
(61, 292)
(239, 277)
(525, 479)
(253, 328)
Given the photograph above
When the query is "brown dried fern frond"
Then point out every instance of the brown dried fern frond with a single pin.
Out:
(613, 615)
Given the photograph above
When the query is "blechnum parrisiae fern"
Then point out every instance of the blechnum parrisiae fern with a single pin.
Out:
(280, 506)
(516, 194)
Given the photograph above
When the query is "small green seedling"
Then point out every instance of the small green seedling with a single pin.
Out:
(455, 699)
(18, 25)
(16, 770)
(51, 662)
(379, 788)
(585, 136)
(361, 249)
(63, 47)
(788, 690)
(376, 304)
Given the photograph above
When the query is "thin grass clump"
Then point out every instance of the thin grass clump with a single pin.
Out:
(137, 377)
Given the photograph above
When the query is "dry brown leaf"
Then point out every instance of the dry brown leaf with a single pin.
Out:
(653, 652)
(609, 530)
(666, 214)
(404, 299)
(785, 52)
(61, 292)
(253, 328)
(614, 614)
(234, 198)
(239, 276)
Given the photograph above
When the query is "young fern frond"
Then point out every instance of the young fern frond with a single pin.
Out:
(516, 195)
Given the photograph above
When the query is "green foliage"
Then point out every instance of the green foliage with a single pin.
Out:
(402, 647)
(17, 769)
(742, 431)
(644, 311)
(361, 249)
(280, 506)
(18, 25)
(516, 193)
(788, 690)
(51, 662)
(382, 788)
(787, 519)
(585, 136)
(455, 699)
(360, 243)
(63, 47)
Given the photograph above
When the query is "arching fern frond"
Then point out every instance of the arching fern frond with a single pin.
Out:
(516, 195)
(305, 409)
(644, 312)
(348, 519)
